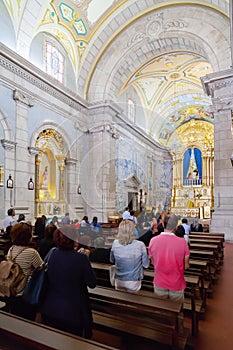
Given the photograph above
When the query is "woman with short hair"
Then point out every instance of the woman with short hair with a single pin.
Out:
(130, 257)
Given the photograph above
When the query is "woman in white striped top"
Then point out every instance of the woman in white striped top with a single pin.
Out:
(28, 259)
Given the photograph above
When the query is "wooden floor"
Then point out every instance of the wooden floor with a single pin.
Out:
(215, 329)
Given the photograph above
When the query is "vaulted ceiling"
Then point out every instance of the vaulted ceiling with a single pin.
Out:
(165, 77)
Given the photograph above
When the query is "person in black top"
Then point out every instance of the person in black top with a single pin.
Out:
(100, 254)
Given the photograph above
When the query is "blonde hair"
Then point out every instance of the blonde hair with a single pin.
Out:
(126, 232)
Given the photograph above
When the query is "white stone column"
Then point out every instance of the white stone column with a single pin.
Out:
(220, 87)
(72, 186)
(9, 147)
(24, 163)
(97, 167)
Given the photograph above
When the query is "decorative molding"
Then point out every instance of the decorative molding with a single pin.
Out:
(33, 75)
(71, 161)
(20, 96)
(34, 151)
(216, 81)
(155, 26)
(8, 145)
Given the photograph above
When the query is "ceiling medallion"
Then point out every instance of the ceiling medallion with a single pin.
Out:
(175, 76)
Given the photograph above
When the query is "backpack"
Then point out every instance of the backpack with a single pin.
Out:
(12, 278)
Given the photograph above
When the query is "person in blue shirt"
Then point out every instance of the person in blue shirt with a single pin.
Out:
(130, 257)
(95, 225)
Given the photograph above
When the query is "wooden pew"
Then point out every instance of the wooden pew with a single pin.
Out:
(208, 242)
(43, 337)
(102, 275)
(207, 234)
(139, 315)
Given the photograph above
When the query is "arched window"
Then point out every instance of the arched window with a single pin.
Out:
(54, 62)
(131, 109)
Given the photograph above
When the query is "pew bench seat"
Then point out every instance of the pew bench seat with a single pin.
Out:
(139, 315)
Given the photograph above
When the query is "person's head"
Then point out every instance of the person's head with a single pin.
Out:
(184, 221)
(180, 231)
(62, 241)
(11, 212)
(49, 231)
(99, 242)
(55, 220)
(195, 222)
(172, 222)
(67, 214)
(21, 234)
(84, 242)
(126, 232)
(85, 218)
(95, 220)
(21, 217)
(43, 218)
(127, 209)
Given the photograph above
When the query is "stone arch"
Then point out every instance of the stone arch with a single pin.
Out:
(68, 144)
(7, 31)
(52, 148)
(7, 130)
(29, 22)
(67, 47)
(135, 44)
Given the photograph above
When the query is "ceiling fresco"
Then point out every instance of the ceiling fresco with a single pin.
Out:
(168, 85)
(171, 92)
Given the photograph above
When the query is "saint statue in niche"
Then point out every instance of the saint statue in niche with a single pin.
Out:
(44, 179)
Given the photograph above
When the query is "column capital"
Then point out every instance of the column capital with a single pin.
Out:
(20, 96)
(34, 151)
(8, 145)
(71, 161)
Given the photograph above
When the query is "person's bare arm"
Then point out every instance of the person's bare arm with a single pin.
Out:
(186, 262)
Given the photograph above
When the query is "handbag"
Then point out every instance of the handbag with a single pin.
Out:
(36, 286)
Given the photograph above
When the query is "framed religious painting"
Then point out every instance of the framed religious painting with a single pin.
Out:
(206, 212)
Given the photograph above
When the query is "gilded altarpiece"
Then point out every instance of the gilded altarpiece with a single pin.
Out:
(50, 174)
(193, 180)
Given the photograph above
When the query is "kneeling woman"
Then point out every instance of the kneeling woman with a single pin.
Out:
(130, 257)
(66, 304)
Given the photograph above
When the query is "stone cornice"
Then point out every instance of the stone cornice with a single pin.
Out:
(8, 145)
(33, 150)
(104, 107)
(71, 161)
(27, 71)
(216, 81)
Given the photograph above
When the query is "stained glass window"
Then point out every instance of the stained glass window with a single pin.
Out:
(54, 62)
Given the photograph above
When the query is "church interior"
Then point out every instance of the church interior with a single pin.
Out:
(116, 106)
(127, 103)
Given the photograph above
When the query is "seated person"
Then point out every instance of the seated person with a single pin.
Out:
(196, 226)
(180, 232)
(95, 225)
(101, 253)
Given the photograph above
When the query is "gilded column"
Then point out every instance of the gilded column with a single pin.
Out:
(204, 170)
(61, 165)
